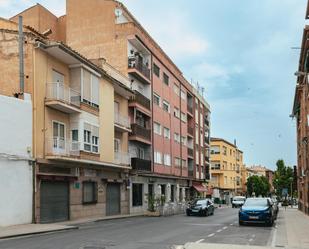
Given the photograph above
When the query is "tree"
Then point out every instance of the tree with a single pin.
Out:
(258, 185)
(283, 177)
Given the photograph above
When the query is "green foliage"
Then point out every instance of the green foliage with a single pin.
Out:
(283, 177)
(258, 185)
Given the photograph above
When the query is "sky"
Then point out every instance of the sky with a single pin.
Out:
(240, 51)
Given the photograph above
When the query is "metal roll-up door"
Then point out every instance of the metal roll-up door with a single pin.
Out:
(54, 201)
(113, 199)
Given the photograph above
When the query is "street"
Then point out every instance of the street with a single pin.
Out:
(151, 233)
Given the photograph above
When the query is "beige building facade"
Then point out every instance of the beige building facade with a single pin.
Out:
(75, 122)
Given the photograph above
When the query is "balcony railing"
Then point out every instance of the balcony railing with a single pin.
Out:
(122, 120)
(141, 164)
(61, 147)
(190, 152)
(140, 131)
(121, 158)
(190, 173)
(61, 92)
(141, 99)
(140, 66)
(191, 131)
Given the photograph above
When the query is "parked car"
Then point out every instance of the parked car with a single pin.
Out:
(203, 207)
(275, 206)
(238, 201)
(257, 210)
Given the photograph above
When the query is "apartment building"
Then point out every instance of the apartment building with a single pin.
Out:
(226, 162)
(80, 110)
(169, 120)
(300, 113)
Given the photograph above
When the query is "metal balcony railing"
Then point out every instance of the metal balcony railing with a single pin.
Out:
(122, 120)
(141, 99)
(58, 146)
(140, 66)
(141, 131)
(190, 152)
(190, 173)
(121, 158)
(191, 130)
(61, 92)
(141, 164)
(190, 109)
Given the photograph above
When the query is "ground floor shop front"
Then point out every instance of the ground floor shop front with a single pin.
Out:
(75, 192)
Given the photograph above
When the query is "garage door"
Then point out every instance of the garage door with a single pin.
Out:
(54, 201)
(113, 199)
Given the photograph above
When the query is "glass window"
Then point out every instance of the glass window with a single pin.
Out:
(137, 192)
(156, 70)
(177, 161)
(157, 157)
(156, 99)
(166, 106)
(166, 133)
(177, 137)
(183, 95)
(89, 192)
(157, 128)
(165, 79)
(183, 117)
(87, 142)
(176, 89)
(167, 159)
(176, 112)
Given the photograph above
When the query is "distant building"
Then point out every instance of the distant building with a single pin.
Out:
(226, 162)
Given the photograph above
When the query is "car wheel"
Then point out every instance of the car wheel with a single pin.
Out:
(206, 212)
(240, 223)
(188, 213)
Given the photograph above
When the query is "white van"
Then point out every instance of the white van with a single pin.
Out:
(238, 201)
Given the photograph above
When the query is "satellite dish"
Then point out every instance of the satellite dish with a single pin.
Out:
(118, 12)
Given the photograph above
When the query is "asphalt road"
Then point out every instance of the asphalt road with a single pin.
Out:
(150, 233)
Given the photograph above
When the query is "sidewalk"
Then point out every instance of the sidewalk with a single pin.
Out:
(31, 229)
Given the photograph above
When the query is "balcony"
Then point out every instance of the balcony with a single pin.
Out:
(140, 132)
(60, 147)
(140, 99)
(190, 109)
(63, 98)
(191, 131)
(190, 173)
(206, 122)
(121, 158)
(141, 164)
(139, 69)
(190, 152)
(122, 123)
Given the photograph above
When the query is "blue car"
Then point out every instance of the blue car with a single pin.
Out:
(257, 210)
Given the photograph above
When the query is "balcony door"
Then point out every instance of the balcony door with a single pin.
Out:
(58, 137)
(58, 85)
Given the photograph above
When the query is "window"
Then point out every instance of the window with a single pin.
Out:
(167, 159)
(157, 157)
(183, 117)
(91, 138)
(156, 99)
(74, 135)
(137, 192)
(176, 112)
(166, 133)
(90, 192)
(177, 161)
(165, 79)
(183, 95)
(141, 153)
(225, 180)
(176, 89)
(183, 140)
(215, 150)
(157, 128)
(183, 163)
(224, 150)
(166, 106)
(215, 165)
(90, 89)
(156, 70)
(58, 135)
(177, 137)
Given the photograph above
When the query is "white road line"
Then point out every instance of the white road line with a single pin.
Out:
(199, 241)
(231, 224)
(219, 231)
(224, 228)
(250, 240)
(210, 235)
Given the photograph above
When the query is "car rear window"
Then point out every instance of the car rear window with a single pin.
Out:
(256, 202)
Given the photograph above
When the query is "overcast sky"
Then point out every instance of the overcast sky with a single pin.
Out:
(239, 51)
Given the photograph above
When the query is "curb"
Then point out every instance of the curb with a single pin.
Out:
(38, 232)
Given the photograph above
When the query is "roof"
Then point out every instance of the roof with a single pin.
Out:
(222, 140)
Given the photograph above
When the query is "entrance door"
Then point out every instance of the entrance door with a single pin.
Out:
(54, 201)
(113, 199)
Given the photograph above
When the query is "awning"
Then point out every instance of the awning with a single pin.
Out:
(199, 187)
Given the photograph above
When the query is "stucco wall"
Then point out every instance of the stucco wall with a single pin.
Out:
(15, 175)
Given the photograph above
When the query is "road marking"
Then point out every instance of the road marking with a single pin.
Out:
(199, 241)
(210, 235)
(231, 224)
(250, 240)
(224, 228)
(219, 231)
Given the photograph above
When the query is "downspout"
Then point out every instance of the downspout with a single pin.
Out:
(21, 54)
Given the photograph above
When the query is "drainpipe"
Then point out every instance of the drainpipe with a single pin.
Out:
(21, 53)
